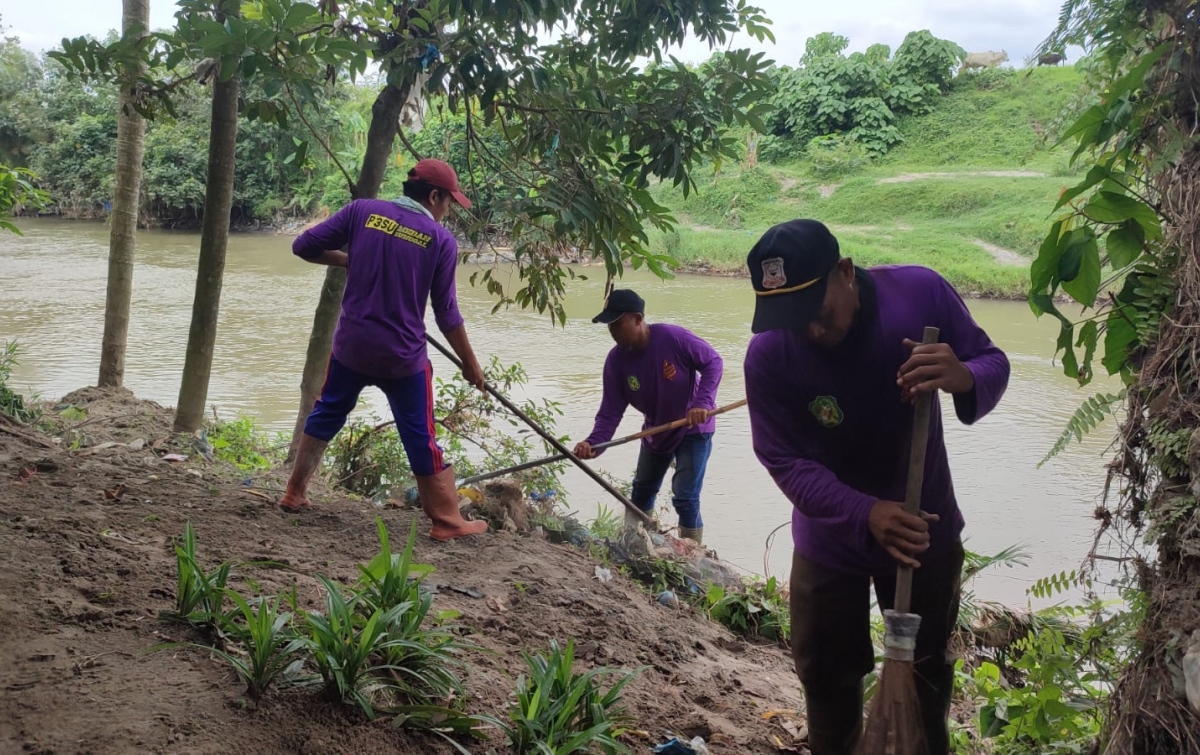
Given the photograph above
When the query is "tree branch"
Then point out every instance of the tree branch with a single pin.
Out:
(548, 111)
(313, 131)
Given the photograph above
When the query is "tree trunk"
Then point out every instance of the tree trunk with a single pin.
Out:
(385, 122)
(131, 138)
(214, 238)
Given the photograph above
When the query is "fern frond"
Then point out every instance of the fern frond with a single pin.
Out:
(1055, 584)
(1086, 418)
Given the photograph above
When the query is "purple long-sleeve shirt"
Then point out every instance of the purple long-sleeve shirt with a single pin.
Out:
(399, 258)
(830, 426)
(675, 372)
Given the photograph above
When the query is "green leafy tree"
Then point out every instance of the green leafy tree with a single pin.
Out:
(20, 76)
(861, 94)
(585, 130)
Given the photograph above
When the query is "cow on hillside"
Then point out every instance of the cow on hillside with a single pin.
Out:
(1051, 58)
(989, 59)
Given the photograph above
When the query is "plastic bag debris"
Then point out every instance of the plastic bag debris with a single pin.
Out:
(678, 747)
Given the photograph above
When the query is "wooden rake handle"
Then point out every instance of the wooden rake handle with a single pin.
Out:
(553, 441)
(922, 405)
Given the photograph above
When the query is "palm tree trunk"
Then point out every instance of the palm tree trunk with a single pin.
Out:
(131, 138)
(385, 122)
(214, 238)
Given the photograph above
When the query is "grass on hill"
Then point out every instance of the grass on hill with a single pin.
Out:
(889, 211)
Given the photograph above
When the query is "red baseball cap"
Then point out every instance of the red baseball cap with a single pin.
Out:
(439, 174)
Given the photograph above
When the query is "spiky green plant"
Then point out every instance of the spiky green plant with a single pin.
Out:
(267, 639)
(199, 595)
(559, 712)
(345, 648)
(422, 662)
(390, 578)
(607, 524)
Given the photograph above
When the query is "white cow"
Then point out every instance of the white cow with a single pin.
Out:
(989, 59)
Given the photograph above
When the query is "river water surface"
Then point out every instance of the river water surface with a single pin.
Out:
(52, 284)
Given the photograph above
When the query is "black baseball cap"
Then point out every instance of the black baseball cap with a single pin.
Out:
(789, 268)
(619, 302)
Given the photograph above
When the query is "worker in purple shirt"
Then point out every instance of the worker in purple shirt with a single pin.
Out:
(829, 376)
(398, 256)
(667, 373)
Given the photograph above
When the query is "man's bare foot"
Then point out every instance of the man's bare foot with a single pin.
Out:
(443, 533)
(293, 502)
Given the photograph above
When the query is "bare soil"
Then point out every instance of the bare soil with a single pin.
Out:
(87, 565)
(1002, 255)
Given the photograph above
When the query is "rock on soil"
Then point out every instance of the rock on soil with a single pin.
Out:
(84, 575)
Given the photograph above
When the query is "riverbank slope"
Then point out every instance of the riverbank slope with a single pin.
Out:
(87, 542)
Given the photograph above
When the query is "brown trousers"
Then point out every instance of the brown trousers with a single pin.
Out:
(831, 645)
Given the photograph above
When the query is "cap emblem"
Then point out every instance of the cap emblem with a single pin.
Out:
(773, 274)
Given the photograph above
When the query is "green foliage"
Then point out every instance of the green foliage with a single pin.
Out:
(760, 609)
(559, 712)
(1169, 448)
(729, 201)
(379, 648)
(17, 192)
(1040, 715)
(860, 95)
(199, 595)
(1086, 418)
(268, 640)
(608, 523)
(835, 156)
(1108, 209)
(421, 662)
(923, 62)
(241, 443)
(1046, 691)
(346, 650)
(1055, 584)
(12, 403)
(20, 72)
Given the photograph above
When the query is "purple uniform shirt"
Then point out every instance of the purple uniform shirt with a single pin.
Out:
(398, 259)
(830, 426)
(677, 371)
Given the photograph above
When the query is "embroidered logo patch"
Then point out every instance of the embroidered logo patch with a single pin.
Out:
(773, 275)
(827, 411)
(668, 370)
(633, 383)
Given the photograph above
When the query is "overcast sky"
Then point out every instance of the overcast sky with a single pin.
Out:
(1015, 26)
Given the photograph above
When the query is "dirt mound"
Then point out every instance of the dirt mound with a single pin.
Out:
(108, 415)
(86, 547)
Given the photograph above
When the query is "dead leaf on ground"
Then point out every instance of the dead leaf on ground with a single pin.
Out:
(116, 493)
(496, 604)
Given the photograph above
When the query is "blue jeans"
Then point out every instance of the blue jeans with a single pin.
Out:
(691, 458)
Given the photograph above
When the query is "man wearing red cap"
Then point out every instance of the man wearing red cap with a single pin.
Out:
(397, 256)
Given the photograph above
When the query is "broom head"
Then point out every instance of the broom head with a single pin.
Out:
(894, 724)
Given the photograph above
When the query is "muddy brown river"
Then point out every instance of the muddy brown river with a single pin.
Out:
(52, 284)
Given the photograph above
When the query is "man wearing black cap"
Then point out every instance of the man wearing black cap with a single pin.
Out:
(829, 374)
(667, 373)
